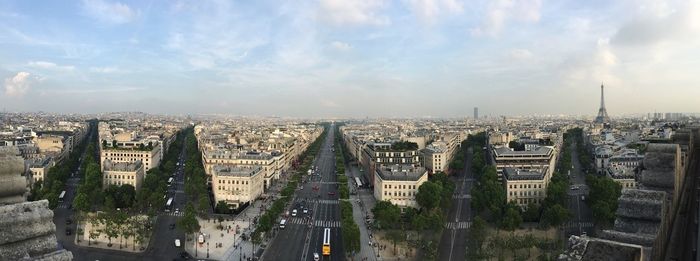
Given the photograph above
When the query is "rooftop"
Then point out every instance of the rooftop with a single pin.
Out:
(518, 174)
(122, 166)
(401, 172)
(237, 171)
(508, 152)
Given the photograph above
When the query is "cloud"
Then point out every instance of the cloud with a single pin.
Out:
(520, 54)
(353, 12)
(500, 12)
(429, 10)
(50, 66)
(652, 28)
(104, 69)
(18, 85)
(108, 12)
(92, 91)
(341, 46)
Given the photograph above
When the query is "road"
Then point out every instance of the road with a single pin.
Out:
(582, 220)
(303, 234)
(453, 243)
(161, 246)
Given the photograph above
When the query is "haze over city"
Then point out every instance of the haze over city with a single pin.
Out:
(334, 58)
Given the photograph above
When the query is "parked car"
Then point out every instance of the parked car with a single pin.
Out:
(68, 221)
(331, 193)
(172, 226)
(69, 231)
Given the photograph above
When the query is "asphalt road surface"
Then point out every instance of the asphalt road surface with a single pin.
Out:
(303, 235)
(162, 245)
(454, 239)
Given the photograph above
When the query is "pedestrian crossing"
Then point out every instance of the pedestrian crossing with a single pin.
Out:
(178, 214)
(62, 205)
(316, 223)
(573, 225)
(461, 196)
(328, 201)
(458, 225)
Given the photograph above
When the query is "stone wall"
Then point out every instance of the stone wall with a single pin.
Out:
(27, 231)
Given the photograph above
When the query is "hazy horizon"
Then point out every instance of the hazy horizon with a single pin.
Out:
(335, 58)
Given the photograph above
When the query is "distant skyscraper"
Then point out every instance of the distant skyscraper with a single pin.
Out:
(476, 113)
(602, 113)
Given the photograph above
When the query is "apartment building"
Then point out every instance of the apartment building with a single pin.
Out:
(542, 158)
(221, 157)
(525, 186)
(149, 157)
(38, 168)
(624, 175)
(237, 185)
(438, 155)
(399, 184)
(376, 155)
(123, 173)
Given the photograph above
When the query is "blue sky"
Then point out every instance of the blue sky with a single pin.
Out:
(350, 58)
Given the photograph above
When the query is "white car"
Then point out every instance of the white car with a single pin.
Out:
(306, 211)
(177, 242)
(177, 211)
(316, 257)
(294, 212)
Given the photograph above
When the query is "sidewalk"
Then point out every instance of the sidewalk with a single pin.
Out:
(362, 204)
(224, 239)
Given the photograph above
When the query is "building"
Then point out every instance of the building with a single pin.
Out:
(376, 155)
(122, 173)
(543, 158)
(149, 157)
(525, 186)
(223, 157)
(399, 184)
(237, 186)
(38, 168)
(624, 175)
(476, 113)
(602, 117)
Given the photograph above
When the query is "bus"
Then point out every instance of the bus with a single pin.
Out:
(358, 182)
(168, 204)
(63, 195)
(326, 242)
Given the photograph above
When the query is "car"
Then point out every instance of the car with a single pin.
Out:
(184, 255)
(316, 257)
(177, 211)
(172, 226)
(331, 193)
(306, 211)
(177, 243)
(68, 231)
(68, 221)
(294, 212)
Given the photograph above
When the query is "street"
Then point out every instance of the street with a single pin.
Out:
(453, 243)
(303, 235)
(582, 219)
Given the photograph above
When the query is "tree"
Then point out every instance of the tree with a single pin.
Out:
(511, 219)
(81, 202)
(603, 213)
(429, 195)
(476, 236)
(203, 205)
(386, 214)
(189, 223)
(532, 213)
(223, 208)
(555, 216)
(395, 236)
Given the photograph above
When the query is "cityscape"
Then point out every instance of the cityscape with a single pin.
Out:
(367, 130)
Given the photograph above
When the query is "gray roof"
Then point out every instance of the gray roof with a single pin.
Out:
(504, 151)
(401, 172)
(518, 174)
(236, 171)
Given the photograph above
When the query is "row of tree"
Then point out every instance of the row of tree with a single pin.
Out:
(350, 230)
(268, 220)
(119, 224)
(483, 246)
(55, 178)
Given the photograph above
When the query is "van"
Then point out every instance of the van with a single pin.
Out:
(283, 223)
(177, 242)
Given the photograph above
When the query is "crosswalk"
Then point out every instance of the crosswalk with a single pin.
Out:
(458, 225)
(62, 205)
(570, 225)
(328, 201)
(461, 196)
(316, 223)
(178, 214)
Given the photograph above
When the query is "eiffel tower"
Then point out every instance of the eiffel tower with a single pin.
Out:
(602, 113)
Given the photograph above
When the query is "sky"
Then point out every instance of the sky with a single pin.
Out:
(350, 58)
